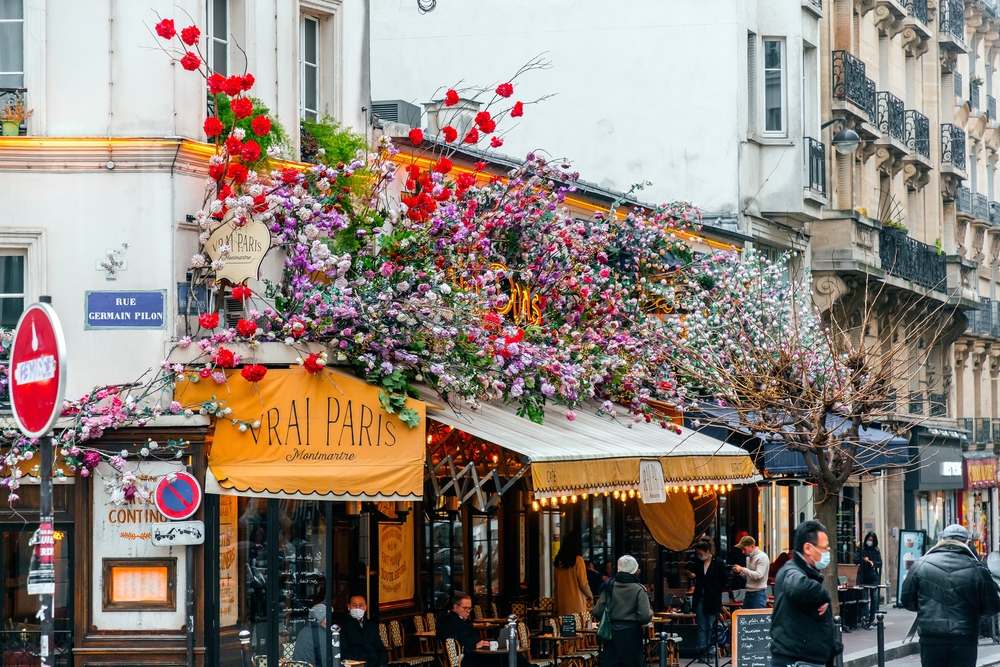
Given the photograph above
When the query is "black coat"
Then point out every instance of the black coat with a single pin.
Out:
(869, 575)
(798, 632)
(311, 643)
(362, 642)
(709, 584)
(950, 590)
(453, 627)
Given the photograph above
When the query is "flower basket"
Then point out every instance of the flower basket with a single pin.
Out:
(10, 128)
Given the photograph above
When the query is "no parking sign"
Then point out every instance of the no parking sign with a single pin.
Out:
(177, 499)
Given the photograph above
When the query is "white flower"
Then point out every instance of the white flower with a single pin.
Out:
(256, 424)
(198, 261)
(239, 133)
(243, 428)
(218, 265)
(224, 250)
(215, 206)
(144, 452)
(322, 185)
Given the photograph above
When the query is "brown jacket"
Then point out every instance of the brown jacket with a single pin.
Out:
(570, 588)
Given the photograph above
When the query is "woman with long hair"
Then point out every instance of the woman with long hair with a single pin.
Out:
(569, 577)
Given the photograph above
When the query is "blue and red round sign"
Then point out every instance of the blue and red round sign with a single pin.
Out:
(177, 499)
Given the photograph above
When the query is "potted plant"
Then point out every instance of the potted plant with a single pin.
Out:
(11, 115)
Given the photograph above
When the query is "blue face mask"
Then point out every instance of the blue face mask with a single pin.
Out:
(824, 560)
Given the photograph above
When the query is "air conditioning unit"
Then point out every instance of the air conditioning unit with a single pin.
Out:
(397, 111)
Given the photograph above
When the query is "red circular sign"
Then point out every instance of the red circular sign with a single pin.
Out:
(177, 499)
(37, 370)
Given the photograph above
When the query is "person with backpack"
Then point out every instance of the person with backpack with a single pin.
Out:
(624, 598)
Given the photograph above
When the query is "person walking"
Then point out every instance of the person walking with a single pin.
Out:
(626, 599)
(710, 576)
(951, 591)
(570, 587)
(754, 573)
(868, 558)
(802, 621)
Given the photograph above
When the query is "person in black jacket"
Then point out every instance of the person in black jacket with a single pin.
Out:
(950, 590)
(456, 625)
(709, 578)
(359, 636)
(312, 640)
(802, 621)
(869, 561)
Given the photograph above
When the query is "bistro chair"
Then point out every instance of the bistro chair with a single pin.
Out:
(383, 633)
(396, 635)
(495, 610)
(453, 658)
(524, 640)
(259, 661)
(287, 651)
(477, 612)
(431, 622)
(426, 644)
(519, 609)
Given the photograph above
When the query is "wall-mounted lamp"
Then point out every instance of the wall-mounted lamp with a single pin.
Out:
(846, 141)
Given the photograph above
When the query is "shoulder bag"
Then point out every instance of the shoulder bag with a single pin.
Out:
(604, 627)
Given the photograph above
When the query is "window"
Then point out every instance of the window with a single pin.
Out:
(12, 292)
(774, 87)
(309, 70)
(752, 82)
(11, 44)
(218, 36)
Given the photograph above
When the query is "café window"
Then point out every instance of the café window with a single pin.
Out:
(445, 557)
(485, 558)
(11, 44)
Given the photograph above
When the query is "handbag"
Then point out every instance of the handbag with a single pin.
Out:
(604, 627)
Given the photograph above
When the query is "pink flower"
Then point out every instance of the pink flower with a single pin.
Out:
(387, 269)
(570, 415)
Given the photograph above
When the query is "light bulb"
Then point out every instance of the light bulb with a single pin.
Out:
(583, 495)
(631, 493)
(615, 494)
(572, 498)
(534, 505)
(545, 501)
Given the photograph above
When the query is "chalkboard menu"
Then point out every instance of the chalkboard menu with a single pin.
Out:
(752, 638)
(568, 626)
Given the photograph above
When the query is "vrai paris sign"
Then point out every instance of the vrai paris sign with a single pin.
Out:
(244, 249)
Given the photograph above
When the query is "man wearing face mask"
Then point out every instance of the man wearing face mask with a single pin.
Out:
(951, 591)
(359, 637)
(802, 621)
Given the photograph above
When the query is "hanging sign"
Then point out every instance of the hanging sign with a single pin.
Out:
(37, 370)
(651, 483)
(177, 499)
(241, 248)
(178, 533)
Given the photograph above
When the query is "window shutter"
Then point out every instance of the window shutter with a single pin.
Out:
(752, 83)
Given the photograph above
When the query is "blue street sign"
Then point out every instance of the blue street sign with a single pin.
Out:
(199, 302)
(126, 310)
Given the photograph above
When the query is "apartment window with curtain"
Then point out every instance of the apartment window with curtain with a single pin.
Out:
(774, 86)
(11, 43)
(309, 68)
(218, 36)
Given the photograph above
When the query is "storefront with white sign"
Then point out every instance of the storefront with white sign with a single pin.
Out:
(933, 486)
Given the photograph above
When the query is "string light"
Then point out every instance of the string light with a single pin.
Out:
(572, 498)
(605, 494)
(563, 500)
(729, 487)
(534, 505)
(685, 488)
(615, 494)
(545, 501)
(584, 495)
(631, 493)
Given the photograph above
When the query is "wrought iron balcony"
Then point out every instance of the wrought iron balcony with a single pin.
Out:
(974, 94)
(991, 108)
(953, 146)
(916, 403)
(982, 433)
(816, 165)
(851, 84)
(918, 133)
(981, 319)
(909, 259)
(953, 19)
(996, 433)
(963, 200)
(890, 116)
(965, 423)
(917, 9)
(957, 78)
(939, 405)
(995, 214)
(980, 207)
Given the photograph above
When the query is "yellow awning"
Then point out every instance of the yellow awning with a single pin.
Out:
(295, 433)
(594, 454)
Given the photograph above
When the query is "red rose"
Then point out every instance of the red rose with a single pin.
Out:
(488, 126)
(237, 172)
(443, 166)
(290, 175)
(247, 81)
(505, 90)
(313, 364)
(225, 358)
(212, 127)
(233, 86)
(480, 165)
(190, 62)
(209, 320)
(234, 146)
(246, 328)
(241, 293)
(472, 137)
(253, 373)
(242, 107)
(450, 133)
(466, 181)
(496, 142)
(450, 98)
(251, 151)
(190, 35)
(165, 29)
(518, 110)
(216, 84)
(482, 117)
(216, 171)
(260, 125)
(417, 136)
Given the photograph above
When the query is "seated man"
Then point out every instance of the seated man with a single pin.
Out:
(456, 625)
(359, 637)
(310, 645)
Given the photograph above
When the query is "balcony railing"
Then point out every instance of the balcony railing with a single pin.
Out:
(995, 214)
(939, 405)
(917, 9)
(963, 200)
(974, 94)
(953, 19)
(966, 424)
(909, 259)
(996, 433)
(957, 77)
(982, 430)
(816, 165)
(851, 84)
(918, 133)
(991, 108)
(953, 146)
(890, 116)
(981, 319)
(980, 207)
(916, 403)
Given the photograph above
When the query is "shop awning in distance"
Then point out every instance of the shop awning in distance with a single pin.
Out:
(876, 450)
(592, 454)
(296, 434)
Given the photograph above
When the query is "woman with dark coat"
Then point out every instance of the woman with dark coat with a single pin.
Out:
(624, 596)
(869, 561)
(709, 580)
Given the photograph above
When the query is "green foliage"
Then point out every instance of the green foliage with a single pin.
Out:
(893, 224)
(339, 144)
(276, 137)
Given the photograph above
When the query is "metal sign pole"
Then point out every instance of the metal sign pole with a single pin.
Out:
(46, 549)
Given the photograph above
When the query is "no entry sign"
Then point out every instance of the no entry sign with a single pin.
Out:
(178, 499)
(37, 370)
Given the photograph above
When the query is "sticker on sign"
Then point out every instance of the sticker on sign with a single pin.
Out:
(178, 533)
(38, 370)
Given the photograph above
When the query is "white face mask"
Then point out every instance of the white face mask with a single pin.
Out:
(357, 614)
(870, 543)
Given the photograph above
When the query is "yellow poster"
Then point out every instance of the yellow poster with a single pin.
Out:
(229, 581)
(396, 574)
(294, 432)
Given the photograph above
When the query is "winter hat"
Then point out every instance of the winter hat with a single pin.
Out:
(955, 532)
(628, 565)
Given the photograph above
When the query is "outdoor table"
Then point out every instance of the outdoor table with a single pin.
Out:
(425, 633)
(674, 617)
(553, 654)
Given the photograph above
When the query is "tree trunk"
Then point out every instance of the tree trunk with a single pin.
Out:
(826, 514)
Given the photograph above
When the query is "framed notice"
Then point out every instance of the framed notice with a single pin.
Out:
(522, 565)
(396, 558)
(143, 584)
(229, 580)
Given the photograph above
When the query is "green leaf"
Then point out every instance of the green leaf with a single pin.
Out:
(410, 417)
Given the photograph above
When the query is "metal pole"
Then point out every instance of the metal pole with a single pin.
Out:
(663, 649)
(880, 629)
(46, 551)
(189, 597)
(512, 641)
(335, 643)
(839, 631)
(245, 647)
